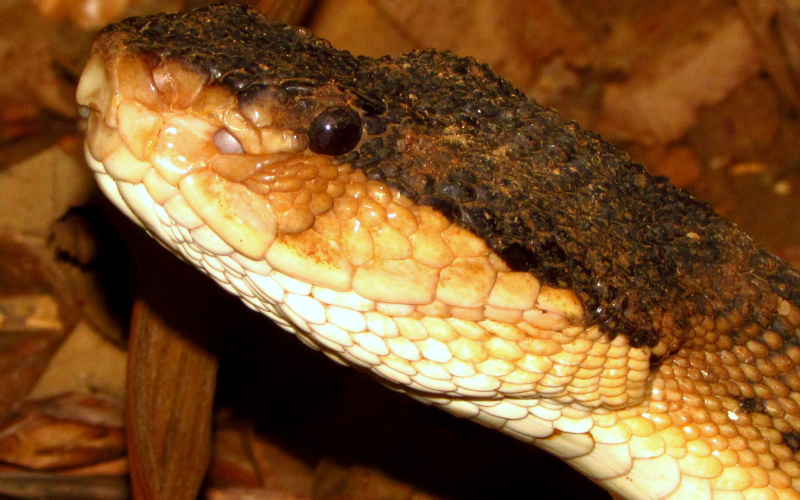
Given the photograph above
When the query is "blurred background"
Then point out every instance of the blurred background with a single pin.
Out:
(706, 92)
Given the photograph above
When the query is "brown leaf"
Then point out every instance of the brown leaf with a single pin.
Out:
(36, 312)
(39, 485)
(247, 465)
(92, 409)
(515, 38)
(86, 362)
(23, 358)
(286, 11)
(171, 378)
(94, 14)
(333, 482)
(776, 24)
(113, 467)
(248, 494)
(658, 103)
(278, 470)
(231, 461)
(741, 128)
(41, 189)
(36, 55)
(62, 433)
(335, 20)
(26, 129)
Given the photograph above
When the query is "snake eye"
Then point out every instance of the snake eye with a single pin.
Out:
(335, 131)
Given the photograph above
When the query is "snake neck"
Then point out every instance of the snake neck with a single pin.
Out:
(722, 411)
(724, 402)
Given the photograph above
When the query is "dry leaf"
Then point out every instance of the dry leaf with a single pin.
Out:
(62, 433)
(26, 130)
(85, 363)
(25, 351)
(658, 103)
(246, 461)
(332, 482)
(89, 14)
(36, 56)
(232, 463)
(514, 38)
(278, 470)
(41, 189)
(776, 24)
(39, 485)
(36, 313)
(743, 127)
(286, 11)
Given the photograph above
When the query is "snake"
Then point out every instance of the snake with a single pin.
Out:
(422, 220)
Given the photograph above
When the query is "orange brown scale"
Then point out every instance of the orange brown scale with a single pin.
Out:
(473, 250)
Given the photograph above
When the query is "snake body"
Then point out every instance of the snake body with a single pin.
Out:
(422, 220)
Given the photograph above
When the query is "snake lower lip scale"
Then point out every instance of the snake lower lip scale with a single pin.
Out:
(422, 220)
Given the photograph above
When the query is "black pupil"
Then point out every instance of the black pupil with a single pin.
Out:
(335, 131)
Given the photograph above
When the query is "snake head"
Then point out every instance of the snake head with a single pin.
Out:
(421, 219)
(221, 132)
(277, 175)
(236, 163)
(422, 185)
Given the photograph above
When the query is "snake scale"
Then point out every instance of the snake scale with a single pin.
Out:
(422, 220)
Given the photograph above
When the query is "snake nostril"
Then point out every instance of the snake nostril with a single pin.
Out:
(226, 142)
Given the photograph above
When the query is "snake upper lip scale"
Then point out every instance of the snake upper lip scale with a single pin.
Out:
(422, 220)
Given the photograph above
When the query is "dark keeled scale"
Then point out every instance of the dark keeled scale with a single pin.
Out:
(547, 196)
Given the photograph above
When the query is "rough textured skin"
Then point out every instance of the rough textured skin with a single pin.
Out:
(474, 250)
(453, 135)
